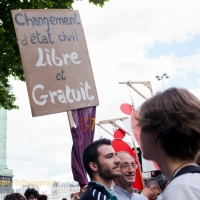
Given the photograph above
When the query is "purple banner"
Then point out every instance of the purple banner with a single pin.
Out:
(82, 135)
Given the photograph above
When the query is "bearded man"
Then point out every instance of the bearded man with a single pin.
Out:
(102, 165)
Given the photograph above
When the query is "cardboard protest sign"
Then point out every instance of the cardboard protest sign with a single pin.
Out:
(55, 60)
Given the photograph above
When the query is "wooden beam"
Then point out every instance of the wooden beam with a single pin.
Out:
(116, 125)
(137, 91)
(70, 118)
(134, 82)
(104, 129)
(109, 120)
(146, 83)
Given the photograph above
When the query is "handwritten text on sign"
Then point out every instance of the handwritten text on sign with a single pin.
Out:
(55, 60)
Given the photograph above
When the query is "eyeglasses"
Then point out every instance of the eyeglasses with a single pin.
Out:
(127, 166)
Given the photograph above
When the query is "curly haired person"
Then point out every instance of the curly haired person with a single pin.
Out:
(14, 196)
(31, 194)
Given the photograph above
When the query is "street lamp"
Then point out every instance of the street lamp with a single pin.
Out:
(161, 78)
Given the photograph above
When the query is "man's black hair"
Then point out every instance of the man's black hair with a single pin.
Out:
(91, 154)
(42, 197)
(14, 196)
(153, 181)
(31, 191)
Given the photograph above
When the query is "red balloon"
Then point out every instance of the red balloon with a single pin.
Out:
(126, 108)
(119, 134)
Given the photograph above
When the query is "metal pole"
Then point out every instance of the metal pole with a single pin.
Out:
(163, 82)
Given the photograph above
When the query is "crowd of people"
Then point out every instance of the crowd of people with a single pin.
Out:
(30, 194)
(105, 167)
(169, 135)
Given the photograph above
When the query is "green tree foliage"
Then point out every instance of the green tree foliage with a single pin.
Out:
(10, 61)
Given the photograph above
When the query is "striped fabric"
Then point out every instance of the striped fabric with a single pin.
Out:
(98, 195)
(96, 191)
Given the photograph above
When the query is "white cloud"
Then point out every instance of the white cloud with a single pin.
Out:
(196, 92)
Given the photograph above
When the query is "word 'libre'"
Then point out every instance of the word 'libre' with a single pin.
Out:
(52, 58)
(69, 97)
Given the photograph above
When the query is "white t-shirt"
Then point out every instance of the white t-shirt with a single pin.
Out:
(183, 187)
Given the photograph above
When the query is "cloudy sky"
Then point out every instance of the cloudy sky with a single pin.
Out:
(127, 40)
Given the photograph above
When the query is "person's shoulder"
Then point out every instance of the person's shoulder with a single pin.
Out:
(118, 191)
(87, 194)
(183, 187)
(114, 188)
(188, 179)
(99, 195)
(93, 194)
(139, 197)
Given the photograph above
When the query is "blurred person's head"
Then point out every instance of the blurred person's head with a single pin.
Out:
(197, 159)
(14, 196)
(43, 197)
(76, 198)
(170, 122)
(152, 188)
(31, 194)
(163, 181)
(136, 190)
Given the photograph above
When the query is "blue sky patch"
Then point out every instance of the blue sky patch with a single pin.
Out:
(190, 81)
(183, 49)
